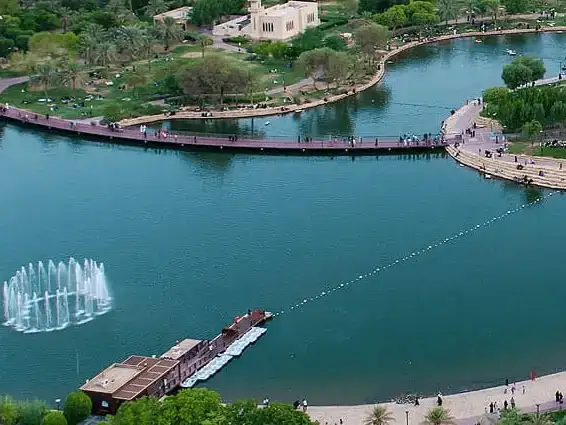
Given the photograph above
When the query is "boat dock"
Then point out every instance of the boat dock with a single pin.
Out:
(170, 140)
(182, 366)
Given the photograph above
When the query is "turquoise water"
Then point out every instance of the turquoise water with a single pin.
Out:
(189, 240)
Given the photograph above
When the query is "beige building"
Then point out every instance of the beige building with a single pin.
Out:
(277, 23)
(180, 15)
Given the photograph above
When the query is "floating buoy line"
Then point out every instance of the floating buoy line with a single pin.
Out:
(343, 285)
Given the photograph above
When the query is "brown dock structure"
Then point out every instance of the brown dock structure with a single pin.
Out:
(139, 376)
(169, 140)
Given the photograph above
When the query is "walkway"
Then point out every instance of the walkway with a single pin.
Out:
(179, 141)
(250, 112)
(468, 408)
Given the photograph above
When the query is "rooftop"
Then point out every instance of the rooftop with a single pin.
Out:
(130, 378)
(181, 348)
(112, 378)
(180, 13)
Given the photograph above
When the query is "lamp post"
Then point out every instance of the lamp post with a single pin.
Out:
(538, 409)
(407, 416)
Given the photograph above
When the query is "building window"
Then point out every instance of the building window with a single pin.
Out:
(104, 404)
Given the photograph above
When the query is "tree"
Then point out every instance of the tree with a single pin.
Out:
(77, 407)
(9, 7)
(335, 42)
(278, 49)
(9, 414)
(214, 76)
(439, 416)
(146, 42)
(191, 407)
(31, 412)
(532, 129)
(106, 54)
(65, 15)
(516, 6)
(495, 94)
(377, 6)
(54, 418)
(263, 50)
(535, 65)
(155, 7)
(379, 416)
(308, 40)
(314, 63)
(169, 32)
(447, 10)
(338, 68)
(44, 76)
(71, 74)
(143, 411)
(490, 7)
(394, 17)
(516, 75)
(369, 38)
(205, 41)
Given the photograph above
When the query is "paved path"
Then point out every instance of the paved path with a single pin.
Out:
(468, 408)
(172, 140)
(7, 82)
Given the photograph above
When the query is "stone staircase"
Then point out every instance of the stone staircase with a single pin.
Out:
(552, 177)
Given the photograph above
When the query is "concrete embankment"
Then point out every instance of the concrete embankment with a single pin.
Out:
(547, 175)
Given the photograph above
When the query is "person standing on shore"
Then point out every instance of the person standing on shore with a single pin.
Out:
(439, 400)
(305, 405)
(512, 402)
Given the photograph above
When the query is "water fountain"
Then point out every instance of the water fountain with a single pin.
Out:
(37, 299)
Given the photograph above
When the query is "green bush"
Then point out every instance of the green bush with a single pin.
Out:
(54, 418)
(77, 407)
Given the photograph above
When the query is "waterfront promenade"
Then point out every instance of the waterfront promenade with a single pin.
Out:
(357, 146)
(468, 408)
(187, 113)
(537, 171)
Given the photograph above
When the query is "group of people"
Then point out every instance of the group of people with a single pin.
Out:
(301, 404)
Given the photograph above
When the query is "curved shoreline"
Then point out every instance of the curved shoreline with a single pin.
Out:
(466, 407)
(377, 77)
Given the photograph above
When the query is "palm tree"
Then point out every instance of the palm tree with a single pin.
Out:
(447, 10)
(65, 17)
(71, 74)
(106, 54)
(169, 32)
(470, 6)
(439, 416)
(379, 416)
(535, 419)
(493, 9)
(205, 41)
(44, 76)
(90, 40)
(146, 42)
(155, 7)
(128, 40)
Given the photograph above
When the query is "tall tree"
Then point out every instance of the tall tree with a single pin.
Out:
(169, 32)
(394, 17)
(369, 38)
(532, 130)
(106, 54)
(379, 416)
(439, 416)
(44, 76)
(31, 412)
(155, 7)
(447, 10)
(71, 74)
(146, 410)
(146, 42)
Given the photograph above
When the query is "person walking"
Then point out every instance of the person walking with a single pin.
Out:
(305, 405)
(512, 402)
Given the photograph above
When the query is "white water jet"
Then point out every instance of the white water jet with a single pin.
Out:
(40, 300)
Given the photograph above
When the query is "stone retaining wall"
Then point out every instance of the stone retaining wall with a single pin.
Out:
(553, 177)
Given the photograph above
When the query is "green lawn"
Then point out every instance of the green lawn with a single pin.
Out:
(521, 147)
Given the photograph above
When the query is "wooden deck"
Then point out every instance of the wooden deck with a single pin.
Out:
(368, 146)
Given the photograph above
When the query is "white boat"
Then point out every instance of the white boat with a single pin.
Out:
(478, 40)
(511, 52)
(267, 122)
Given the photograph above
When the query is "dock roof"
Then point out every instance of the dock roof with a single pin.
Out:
(180, 349)
(127, 380)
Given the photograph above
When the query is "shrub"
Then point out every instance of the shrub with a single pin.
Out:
(77, 407)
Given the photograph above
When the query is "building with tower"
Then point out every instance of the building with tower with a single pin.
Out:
(277, 23)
